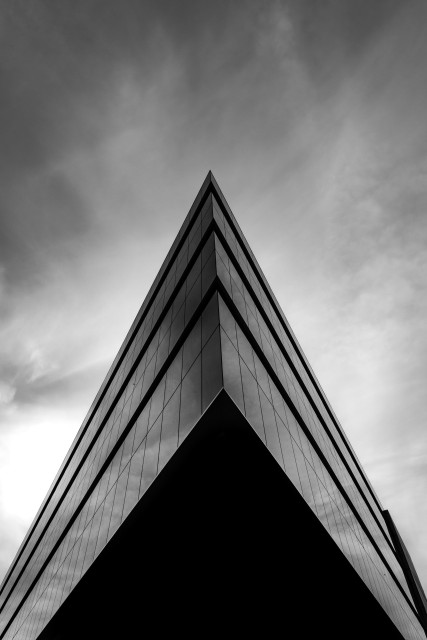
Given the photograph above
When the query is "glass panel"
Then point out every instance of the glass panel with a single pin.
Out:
(193, 298)
(223, 273)
(210, 318)
(192, 346)
(141, 426)
(231, 371)
(270, 427)
(127, 449)
(169, 434)
(245, 350)
(194, 273)
(191, 403)
(211, 369)
(119, 497)
(173, 375)
(151, 454)
(157, 402)
(289, 456)
(208, 249)
(177, 327)
(132, 488)
(252, 402)
(162, 352)
(105, 522)
(115, 468)
(207, 215)
(227, 321)
(208, 273)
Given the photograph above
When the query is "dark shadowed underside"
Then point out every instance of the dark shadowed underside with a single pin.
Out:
(221, 542)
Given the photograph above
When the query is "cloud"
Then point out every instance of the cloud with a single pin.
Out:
(7, 393)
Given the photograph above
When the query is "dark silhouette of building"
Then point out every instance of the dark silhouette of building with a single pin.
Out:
(211, 488)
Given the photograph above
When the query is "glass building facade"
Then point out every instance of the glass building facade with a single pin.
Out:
(209, 323)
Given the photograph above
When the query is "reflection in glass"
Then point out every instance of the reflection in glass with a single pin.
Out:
(141, 426)
(210, 318)
(105, 522)
(193, 299)
(116, 515)
(151, 457)
(177, 326)
(252, 401)
(289, 456)
(132, 488)
(208, 249)
(270, 427)
(231, 371)
(194, 273)
(190, 408)
(157, 400)
(192, 346)
(169, 433)
(211, 369)
(173, 375)
(227, 321)
(208, 273)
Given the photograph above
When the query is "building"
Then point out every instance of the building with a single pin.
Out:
(211, 488)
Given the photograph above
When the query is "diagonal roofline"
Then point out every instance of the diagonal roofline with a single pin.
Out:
(209, 186)
(210, 179)
(185, 227)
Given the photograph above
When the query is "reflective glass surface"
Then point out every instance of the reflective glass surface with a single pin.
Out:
(277, 320)
(110, 464)
(274, 419)
(152, 440)
(185, 344)
(249, 311)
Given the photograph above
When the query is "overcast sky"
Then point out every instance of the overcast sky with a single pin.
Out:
(312, 116)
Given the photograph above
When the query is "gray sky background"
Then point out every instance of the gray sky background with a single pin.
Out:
(312, 117)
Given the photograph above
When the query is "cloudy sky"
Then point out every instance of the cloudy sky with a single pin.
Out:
(311, 115)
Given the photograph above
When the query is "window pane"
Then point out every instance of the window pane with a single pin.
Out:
(179, 300)
(210, 318)
(151, 455)
(208, 273)
(177, 326)
(194, 272)
(245, 350)
(231, 369)
(192, 347)
(132, 489)
(227, 321)
(173, 375)
(191, 403)
(288, 456)
(116, 516)
(141, 426)
(169, 433)
(239, 300)
(193, 299)
(115, 467)
(211, 369)
(270, 427)
(157, 402)
(105, 522)
(207, 214)
(162, 352)
(208, 249)
(252, 402)
(223, 273)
